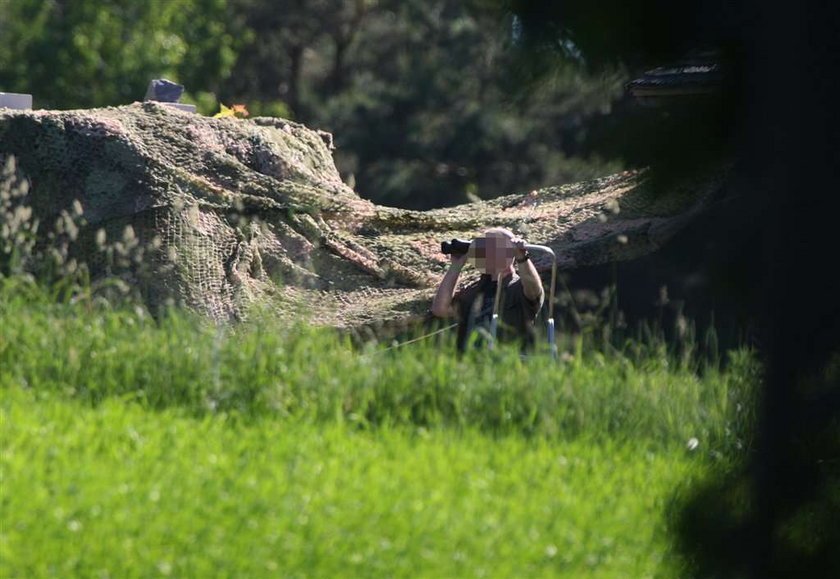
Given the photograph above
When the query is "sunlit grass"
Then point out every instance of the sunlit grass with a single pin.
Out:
(119, 491)
(135, 447)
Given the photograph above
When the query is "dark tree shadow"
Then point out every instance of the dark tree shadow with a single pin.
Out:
(778, 513)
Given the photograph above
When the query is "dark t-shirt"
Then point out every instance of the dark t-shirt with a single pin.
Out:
(517, 313)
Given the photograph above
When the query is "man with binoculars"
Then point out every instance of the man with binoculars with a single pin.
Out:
(517, 301)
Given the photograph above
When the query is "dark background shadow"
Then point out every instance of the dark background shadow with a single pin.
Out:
(770, 256)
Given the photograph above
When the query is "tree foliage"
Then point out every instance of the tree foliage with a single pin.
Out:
(420, 94)
(419, 97)
(89, 53)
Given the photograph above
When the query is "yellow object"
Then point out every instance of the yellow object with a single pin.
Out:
(234, 111)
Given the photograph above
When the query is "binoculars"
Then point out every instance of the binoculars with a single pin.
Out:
(455, 247)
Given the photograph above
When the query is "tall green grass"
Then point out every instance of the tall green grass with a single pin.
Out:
(300, 373)
(142, 447)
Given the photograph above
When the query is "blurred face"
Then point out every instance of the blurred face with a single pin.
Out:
(492, 253)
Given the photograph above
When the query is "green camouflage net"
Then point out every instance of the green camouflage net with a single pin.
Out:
(251, 212)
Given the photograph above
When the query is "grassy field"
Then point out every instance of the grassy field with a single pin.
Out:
(138, 448)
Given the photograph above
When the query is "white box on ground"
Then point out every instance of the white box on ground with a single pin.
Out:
(13, 100)
(181, 106)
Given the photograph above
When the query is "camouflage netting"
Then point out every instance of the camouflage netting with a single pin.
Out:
(254, 211)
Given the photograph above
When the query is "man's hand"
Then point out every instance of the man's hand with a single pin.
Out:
(531, 283)
(519, 250)
(458, 260)
(442, 304)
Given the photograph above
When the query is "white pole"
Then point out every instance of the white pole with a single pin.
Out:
(548, 250)
(494, 321)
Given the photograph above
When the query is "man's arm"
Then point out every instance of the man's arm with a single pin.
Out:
(442, 304)
(531, 282)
